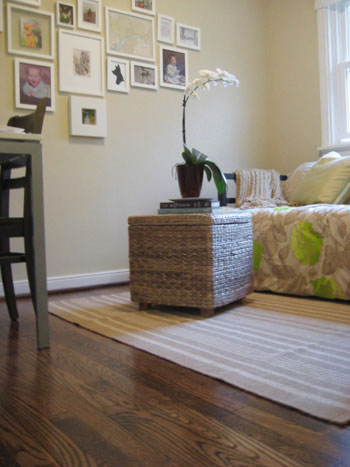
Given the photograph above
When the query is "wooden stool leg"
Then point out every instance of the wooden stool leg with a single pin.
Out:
(7, 282)
(207, 312)
(144, 306)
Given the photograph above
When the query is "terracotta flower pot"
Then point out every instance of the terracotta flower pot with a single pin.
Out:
(190, 179)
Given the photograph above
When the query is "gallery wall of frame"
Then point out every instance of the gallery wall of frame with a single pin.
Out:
(123, 54)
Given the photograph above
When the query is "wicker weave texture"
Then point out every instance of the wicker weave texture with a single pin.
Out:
(192, 265)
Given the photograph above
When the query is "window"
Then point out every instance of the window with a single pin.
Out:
(334, 51)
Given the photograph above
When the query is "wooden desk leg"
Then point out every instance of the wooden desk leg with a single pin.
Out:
(207, 312)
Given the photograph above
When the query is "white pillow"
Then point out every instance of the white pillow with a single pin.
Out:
(324, 181)
(329, 157)
(295, 178)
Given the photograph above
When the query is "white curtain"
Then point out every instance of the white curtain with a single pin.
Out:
(326, 3)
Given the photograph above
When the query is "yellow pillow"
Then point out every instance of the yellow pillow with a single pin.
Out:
(325, 180)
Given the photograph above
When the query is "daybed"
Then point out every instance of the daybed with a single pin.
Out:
(305, 250)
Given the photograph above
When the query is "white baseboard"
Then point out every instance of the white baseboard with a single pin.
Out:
(75, 281)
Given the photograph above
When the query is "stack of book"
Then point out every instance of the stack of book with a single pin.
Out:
(190, 206)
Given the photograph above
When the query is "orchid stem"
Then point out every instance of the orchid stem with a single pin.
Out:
(184, 121)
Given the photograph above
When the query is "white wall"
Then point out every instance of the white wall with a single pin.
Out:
(93, 185)
(294, 92)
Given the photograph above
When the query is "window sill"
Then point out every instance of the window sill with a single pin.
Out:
(341, 148)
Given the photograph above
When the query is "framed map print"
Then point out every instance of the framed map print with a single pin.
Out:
(130, 35)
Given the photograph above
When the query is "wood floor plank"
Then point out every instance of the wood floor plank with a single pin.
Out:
(93, 401)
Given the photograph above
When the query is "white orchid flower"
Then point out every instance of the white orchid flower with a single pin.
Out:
(220, 72)
(206, 86)
(212, 75)
(204, 72)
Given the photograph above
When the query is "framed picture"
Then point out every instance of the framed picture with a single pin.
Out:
(89, 15)
(188, 36)
(30, 32)
(34, 80)
(81, 63)
(173, 67)
(166, 27)
(130, 35)
(65, 15)
(118, 74)
(28, 2)
(144, 75)
(88, 117)
(144, 6)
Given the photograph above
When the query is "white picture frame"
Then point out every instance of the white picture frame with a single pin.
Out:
(144, 75)
(65, 15)
(188, 36)
(129, 35)
(81, 63)
(34, 79)
(147, 7)
(30, 32)
(89, 15)
(166, 29)
(173, 74)
(118, 76)
(88, 117)
(28, 2)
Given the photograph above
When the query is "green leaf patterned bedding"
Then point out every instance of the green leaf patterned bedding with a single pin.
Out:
(303, 250)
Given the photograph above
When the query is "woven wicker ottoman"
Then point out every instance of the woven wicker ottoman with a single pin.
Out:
(191, 260)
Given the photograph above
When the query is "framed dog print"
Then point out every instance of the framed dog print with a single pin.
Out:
(144, 75)
(88, 117)
(89, 15)
(81, 63)
(34, 80)
(144, 6)
(130, 35)
(65, 15)
(166, 27)
(173, 67)
(188, 36)
(30, 32)
(118, 74)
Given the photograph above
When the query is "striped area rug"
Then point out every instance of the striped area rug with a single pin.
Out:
(294, 351)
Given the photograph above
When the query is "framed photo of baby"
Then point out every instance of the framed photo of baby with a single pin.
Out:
(33, 81)
(173, 67)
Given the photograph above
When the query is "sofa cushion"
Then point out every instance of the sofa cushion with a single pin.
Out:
(324, 181)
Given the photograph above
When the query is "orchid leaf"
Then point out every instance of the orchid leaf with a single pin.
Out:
(208, 173)
(187, 156)
(199, 156)
(219, 177)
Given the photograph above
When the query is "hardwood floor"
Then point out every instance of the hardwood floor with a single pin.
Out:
(92, 401)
